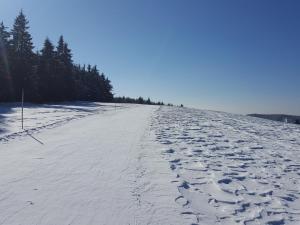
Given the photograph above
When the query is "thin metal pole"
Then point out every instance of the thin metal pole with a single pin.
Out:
(22, 108)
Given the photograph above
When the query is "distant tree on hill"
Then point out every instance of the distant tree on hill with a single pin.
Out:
(139, 100)
(148, 102)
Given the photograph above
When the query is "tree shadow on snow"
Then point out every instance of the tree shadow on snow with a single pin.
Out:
(79, 106)
(5, 109)
(72, 106)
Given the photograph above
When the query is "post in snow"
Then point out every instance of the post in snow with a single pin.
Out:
(22, 108)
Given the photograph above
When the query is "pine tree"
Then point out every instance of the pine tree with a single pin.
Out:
(108, 90)
(48, 50)
(47, 75)
(65, 81)
(46, 71)
(60, 46)
(22, 60)
(148, 102)
(21, 39)
(140, 100)
(4, 36)
(6, 89)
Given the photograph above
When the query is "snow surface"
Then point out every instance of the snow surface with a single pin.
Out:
(232, 169)
(90, 163)
(37, 117)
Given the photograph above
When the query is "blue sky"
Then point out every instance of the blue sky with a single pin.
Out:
(237, 56)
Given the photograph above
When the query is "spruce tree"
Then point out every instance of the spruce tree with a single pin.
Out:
(46, 71)
(6, 89)
(65, 81)
(148, 102)
(108, 90)
(47, 75)
(4, 36)
(22, 59)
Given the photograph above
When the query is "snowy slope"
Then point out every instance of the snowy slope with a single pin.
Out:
(90, 163)
(232, 169)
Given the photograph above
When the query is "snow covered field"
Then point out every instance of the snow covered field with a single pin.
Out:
(90, 163)
(232, 169)
(37, 117)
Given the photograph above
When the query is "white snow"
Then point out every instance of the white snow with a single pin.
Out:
(232, 169)
(37, 117)
(90, 163)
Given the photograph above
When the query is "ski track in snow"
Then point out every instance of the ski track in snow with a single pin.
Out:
(231, 169)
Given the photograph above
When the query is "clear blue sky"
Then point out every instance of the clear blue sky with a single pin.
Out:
(237, 56)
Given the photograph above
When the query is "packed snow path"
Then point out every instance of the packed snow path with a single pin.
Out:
(232, 169)
(102, 169)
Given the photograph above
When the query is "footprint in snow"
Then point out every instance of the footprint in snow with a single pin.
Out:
(170, 151)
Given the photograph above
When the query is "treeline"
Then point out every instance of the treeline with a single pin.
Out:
(278, 117)
(48, 75)
(139, 100)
